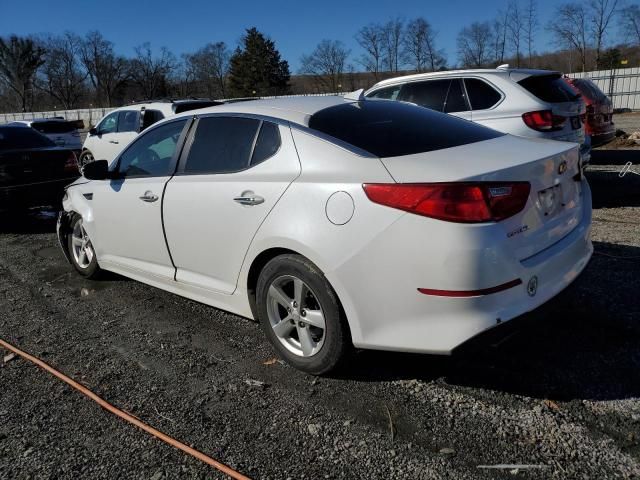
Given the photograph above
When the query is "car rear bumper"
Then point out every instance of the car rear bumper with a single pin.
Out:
(37, 194)
(386, 310)
(601, 138)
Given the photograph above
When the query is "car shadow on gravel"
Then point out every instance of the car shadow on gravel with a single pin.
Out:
(615, 157)
(584, 344)
(609, 190)
(32, 221)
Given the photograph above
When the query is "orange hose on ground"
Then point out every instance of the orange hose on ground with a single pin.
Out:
(125, 416)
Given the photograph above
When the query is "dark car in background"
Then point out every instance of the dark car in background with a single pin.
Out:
(599, 115)
(33, 169)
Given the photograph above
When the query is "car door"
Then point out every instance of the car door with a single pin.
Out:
(235, 171)
(127, 212)
(101, 143)
(128, 128)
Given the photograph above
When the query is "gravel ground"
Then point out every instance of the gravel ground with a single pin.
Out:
(629, 122)
(560, 391)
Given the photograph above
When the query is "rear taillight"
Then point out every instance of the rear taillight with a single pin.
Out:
(544, 121)
(71, 164)
(453, 202)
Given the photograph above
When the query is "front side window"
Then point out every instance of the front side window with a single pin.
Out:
(389, 93)
(481, 95)
(109, 124)
(222, 145)
(151, 155)
(431, 94)
(128, 121)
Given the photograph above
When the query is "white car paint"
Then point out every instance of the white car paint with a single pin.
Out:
(378, 259)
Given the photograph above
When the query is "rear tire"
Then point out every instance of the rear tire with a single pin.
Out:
(81, 251)
(301, 315)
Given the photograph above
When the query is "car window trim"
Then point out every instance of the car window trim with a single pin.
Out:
(261, 118)
(492, 85)
(176, 154)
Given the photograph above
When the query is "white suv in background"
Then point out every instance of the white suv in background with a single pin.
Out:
(528, 103)
(119, 127)
(64, 133)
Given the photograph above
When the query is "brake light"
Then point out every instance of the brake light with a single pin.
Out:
(544, 121)
(71, 164)
(453, 202)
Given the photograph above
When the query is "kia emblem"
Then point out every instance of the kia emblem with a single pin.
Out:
(532, 286)
(562, 167)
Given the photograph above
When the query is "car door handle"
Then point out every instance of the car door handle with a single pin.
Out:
(113, 141)
(148, 196)
(249, 198)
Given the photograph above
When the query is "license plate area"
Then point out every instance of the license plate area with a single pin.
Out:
(550, 200)
(575, 123)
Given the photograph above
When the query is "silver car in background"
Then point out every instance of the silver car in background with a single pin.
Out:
(528, 103)
(64, 133)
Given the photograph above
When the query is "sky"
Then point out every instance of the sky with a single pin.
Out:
(295, 26)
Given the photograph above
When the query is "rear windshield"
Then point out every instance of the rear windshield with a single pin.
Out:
(589, 89)
(185, 107)
(54, 127)
(549, 88)
(386, 128)
(15, 138)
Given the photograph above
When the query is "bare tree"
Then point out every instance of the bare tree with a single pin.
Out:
(530, 27)
(327, 64)
(569, 27)
(62, 74)
(474, 44)
(151, 73)
(371, 39)
(420, 46)
(392, 44)
(515, 27)
(630, 23)
(209, 67)
(107, 71)
(499, 35)
(602, 11)
(20, 58)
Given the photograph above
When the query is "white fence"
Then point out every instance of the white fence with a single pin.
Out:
(89, 115)
(621, 85)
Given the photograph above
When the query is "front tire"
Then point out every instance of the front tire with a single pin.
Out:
(81, 251)
(301, 315)
(85, 157)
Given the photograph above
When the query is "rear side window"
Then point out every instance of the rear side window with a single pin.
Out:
(267, 144)
(221, 145)
(431, 94)
(54, 127)
(128, 121)
(389, 93)
(16, 138)
(187, 106)
(549, 88)
(481, 95)
(589, 89)
(392, 129)
(149, 117)
(455, 98)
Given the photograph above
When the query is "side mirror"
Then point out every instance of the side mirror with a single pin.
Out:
(93, 131)
(97, 170)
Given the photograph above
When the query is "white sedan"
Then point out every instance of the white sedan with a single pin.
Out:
(338, 222)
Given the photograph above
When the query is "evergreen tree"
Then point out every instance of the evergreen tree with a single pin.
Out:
(256, 68)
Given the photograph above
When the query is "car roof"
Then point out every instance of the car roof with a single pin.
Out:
(514, 72)
(292, 109)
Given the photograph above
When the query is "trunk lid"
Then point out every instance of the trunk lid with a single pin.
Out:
(20, 167)
(554, 207)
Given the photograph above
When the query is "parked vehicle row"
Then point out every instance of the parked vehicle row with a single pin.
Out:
(598, 123)
(345, 222)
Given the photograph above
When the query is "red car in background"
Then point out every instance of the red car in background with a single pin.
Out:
(599, 117)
